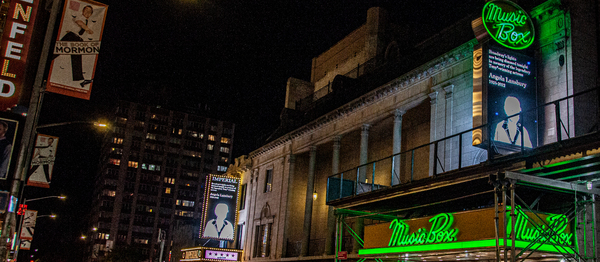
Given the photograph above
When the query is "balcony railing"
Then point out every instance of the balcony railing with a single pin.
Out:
(553, 122)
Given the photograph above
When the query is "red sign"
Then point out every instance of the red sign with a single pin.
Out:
(15, 46)
(343, 255)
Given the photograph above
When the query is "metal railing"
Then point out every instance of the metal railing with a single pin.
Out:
(553, 122)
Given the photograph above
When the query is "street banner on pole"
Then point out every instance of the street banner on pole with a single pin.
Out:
(28, 225)
(76, 49)
(42, 163)
(20, 20)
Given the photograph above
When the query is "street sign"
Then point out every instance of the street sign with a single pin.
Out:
(343, 255)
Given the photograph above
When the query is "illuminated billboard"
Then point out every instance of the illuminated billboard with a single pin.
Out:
(511, 92)
(15, 47)
(76, 49)
(8, 138)
(470, 230)
(508, 24)
(221, 200)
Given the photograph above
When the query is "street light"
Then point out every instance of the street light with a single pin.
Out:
(40, 198)
(95, 123)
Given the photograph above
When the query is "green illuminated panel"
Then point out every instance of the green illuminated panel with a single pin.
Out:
(508, 24)
(463, 245)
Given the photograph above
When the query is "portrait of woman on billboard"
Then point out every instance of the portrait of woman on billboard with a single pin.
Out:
(511, 130)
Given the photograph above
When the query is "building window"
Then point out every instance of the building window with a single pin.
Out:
(185, 203)
(211, 137)
(117, 140)
(168, 190)
(239, 244)
(222, 168)
(115, 162)
(176, 131)
(170, 180)
(269, 181)
(115, 150)
(262, 240)
(133, 164)
(224, 149)
(224, 140)
(243, 197)
(210, 147)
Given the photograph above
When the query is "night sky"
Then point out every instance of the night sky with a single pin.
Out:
(234, 56)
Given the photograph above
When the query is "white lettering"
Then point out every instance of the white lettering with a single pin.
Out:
(11, 88)
(16, 29)
(10, 50)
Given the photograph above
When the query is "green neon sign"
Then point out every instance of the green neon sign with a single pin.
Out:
(439, 232)
(508, 24)
(557, 227)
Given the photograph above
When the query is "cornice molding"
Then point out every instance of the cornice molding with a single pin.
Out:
(417, 75)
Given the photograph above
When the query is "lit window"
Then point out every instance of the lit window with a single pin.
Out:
(115, 150)
(210, 147)
(133, 164)
(177, 131)
(222, 168)
(170, 180)
(224, 140)
(269, 181)
(151, 136)
(211, 137)
(115, 162)
(144, 166)
(224, 149)
(151, 167)
(224, 159)
(168, 190)
(117, 140)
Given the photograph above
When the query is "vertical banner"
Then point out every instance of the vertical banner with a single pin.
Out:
(219, 218)
(8, 135)
(44, 153)
(15, 47)
(76, 49)
(27, 229)
(28, 225)
(511, 93)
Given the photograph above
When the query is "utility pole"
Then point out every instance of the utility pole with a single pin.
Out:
(35, 104)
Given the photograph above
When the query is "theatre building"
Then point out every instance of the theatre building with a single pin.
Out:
(479, 142)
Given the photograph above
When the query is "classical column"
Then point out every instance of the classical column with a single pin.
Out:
(288, 205)
(310, 185)
(335, 166)
(364, 152)
(433, 130)
(397, 145)
(448, 132)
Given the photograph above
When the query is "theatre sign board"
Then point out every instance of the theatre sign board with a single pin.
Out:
(469, 230)
(508, 24)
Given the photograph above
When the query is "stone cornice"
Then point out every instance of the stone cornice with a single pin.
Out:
(393, 87)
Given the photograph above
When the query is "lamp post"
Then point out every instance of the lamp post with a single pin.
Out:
(20, 223)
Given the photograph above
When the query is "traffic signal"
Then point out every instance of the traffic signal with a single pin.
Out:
(22, 209)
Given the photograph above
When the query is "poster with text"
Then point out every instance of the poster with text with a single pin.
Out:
(76, 49)
(28, 225)
(511, 89)
(8, 135)
(219, 219)
(42, 162)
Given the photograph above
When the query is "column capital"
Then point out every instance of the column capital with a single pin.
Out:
(433, 95)
(398, 113)
(336, 140)
(366, 127)
(313, 148)
(449, 89)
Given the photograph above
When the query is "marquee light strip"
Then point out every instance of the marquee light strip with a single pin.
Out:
(487, 243)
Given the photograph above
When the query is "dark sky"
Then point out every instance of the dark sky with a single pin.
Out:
(234, 55)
